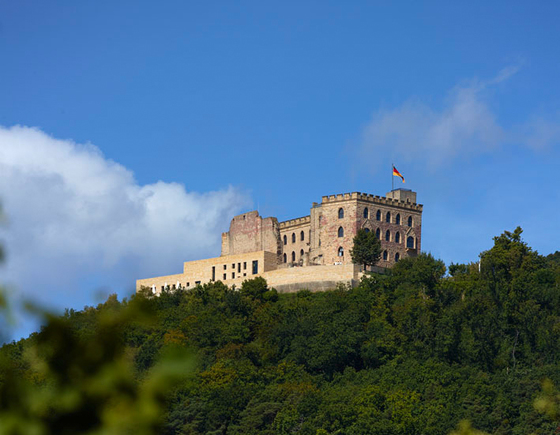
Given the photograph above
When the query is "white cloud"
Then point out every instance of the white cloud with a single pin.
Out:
(76, 220)
(465, 126)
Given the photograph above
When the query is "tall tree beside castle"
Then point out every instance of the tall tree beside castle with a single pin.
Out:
(366, 250)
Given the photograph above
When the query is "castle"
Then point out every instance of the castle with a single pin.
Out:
(311, 252)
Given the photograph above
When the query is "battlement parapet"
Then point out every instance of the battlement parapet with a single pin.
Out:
(295, 222)
(376, 199)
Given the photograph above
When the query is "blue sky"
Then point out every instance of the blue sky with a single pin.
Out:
(131, 132)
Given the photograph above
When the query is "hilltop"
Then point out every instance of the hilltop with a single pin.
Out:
(412, 352)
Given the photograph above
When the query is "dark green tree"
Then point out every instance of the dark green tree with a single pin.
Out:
(367, 249)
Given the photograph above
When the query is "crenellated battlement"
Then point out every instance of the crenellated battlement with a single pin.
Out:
(295, 222)
(376, 199)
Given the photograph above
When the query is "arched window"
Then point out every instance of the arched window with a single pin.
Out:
(398, 237)
(378, 233)
(341, 252)
(398, 219)
(397, 257)
(340, 213)
(285, 258)
(387, 235)
(301, 254)
(285, 240)
(410, 221)
(385, 255)
(388, 217)
(366, 230)
(293, 237)
(410, 242)
(341, 232)
(293, 256)
(366, 213)
(378, 215)
(302, 236)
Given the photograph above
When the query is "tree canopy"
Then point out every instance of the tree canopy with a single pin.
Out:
(367, 249)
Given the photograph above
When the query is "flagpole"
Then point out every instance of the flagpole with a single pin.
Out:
(392, 177)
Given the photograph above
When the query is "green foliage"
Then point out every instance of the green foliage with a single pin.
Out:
(366, 249)
(410, 352)
(64, 382)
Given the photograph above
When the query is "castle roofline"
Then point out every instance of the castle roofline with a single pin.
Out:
(372, 199)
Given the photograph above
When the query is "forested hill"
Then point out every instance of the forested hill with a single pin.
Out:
(415, 351)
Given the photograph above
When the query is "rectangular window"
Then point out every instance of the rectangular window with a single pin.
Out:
(238, 267)
(233, 266)
(213, 273)
(244, 265)
(232, 275)
(225, 266)
(255, 267)
(225, 277)
(244, 274)
(197, 283)
(188, 284)
(162, 288)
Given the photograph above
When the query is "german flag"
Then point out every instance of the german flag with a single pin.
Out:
(397, 173)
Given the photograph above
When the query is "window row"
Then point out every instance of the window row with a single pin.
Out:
(386, 256)
(237, 266)
(409, 239)
(178, 286)
(301, 237)
(301, 253)
(378, 216)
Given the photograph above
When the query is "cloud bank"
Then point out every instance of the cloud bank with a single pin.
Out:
(464, 126)
(75, 220)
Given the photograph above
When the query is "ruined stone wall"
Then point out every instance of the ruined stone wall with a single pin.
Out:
(249, 232)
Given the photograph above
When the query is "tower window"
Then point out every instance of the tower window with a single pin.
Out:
(387, 235)
(302, 236)
(410, 242)
(285, 258)
(410, 221)
(378, 215)
(293, 256)
(366, 213)
(397, 257)
(388, 217)
(378, 233)
(255, 267)
(398, 237)
(340, 213)
(341, 232)
(385, 255)
(301, 253)
(285, 240)
(341, 252)
(293, 237)
(398, 219)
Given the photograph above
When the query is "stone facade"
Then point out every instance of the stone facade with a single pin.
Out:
(308, 252)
